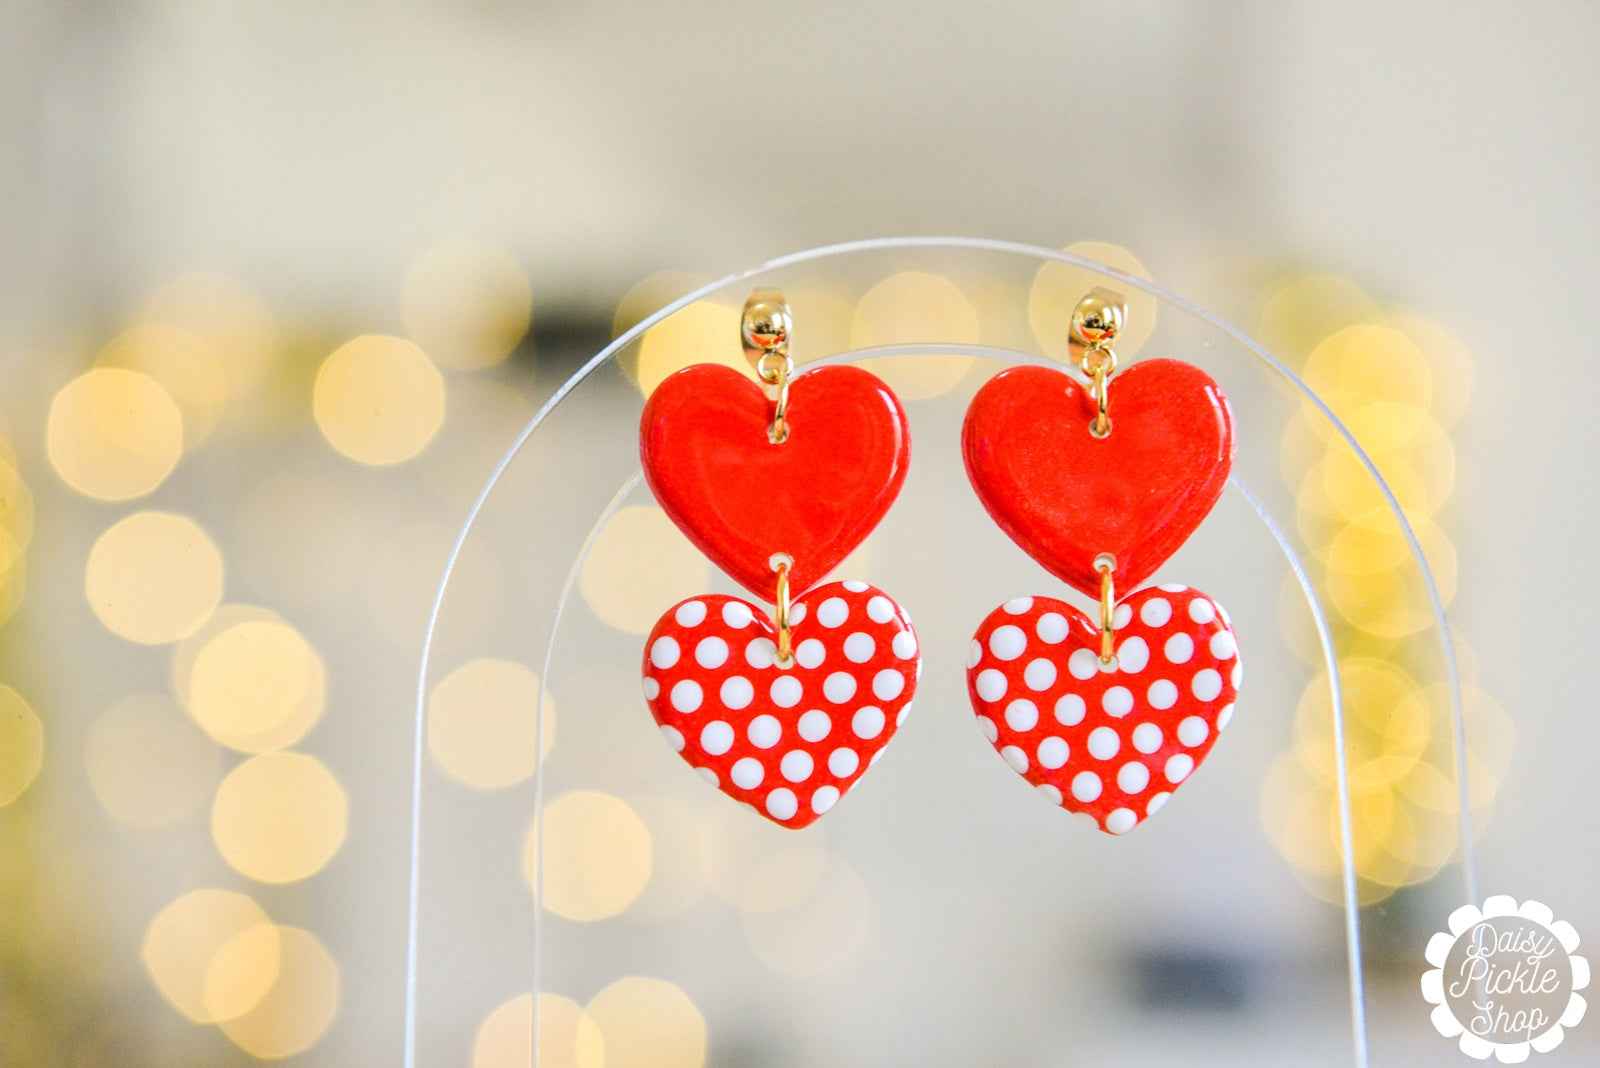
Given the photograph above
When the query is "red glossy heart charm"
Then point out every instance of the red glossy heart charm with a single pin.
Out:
(741, 498)
(1111, 743)
(1066, 496)
(790, 740)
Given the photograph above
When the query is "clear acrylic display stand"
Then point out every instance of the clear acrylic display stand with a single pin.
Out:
(956, 918)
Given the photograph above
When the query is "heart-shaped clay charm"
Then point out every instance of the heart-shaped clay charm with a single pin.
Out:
(1066, 496)
(1115, 742)
(742, 498)
(788, 739)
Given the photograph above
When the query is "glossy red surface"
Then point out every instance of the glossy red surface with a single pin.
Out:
(1066, 496)
(741, 498)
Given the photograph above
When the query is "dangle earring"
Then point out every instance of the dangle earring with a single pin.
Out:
(776, 486)
(1101, 484)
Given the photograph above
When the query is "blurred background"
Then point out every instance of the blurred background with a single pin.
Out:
(279, 283)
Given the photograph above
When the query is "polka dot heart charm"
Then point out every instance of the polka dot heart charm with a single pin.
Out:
(777, 486)
(1107, 717)
(1113, 740)
(789, 739)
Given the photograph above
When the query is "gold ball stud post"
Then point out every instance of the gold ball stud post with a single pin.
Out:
(1098, 318)
(765, 325)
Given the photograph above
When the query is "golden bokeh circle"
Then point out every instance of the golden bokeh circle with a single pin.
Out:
(467, 304)
(255, 684)
(114, 434)
(229, 317)
(21, 745)
(148, 765)
(298, 1008)
(568, 1037)
(1058, 287)
(378, 400)
(914, 307)
(279, 817)
(706, 331)
(639, 566)
(1304, 309)
(153, 577)
(183, 940)
(483, 729)
(597, 856)
(183, 364)
(241, 971)
(648, 1023)
(1370, 360)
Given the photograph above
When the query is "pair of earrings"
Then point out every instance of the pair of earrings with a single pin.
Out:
(777, 483)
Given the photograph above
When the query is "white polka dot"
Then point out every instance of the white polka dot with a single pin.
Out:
(737, 692)
(1040, 675)
(1224, 717)
(1121, 821)
(1173, 587)
(1086, 786)
(1016, 758)
(1008, 642)
(1022, 715)
(711, 653)
(855, 585)
(808, 654)
(747, 773)
(1162, 695)
(859, 647)
(990, 731)
(1104, 743)
(1156, 802)
(1147, 737)
(1133, 777)
(782, 804)
(1133, 655)
(974, 654)
(687, 695)
(904, 645)
(786, 691)
(880, 609)
(1238, 674)
(664, 652)
(716, 738)
(709, 776)
(652, 688)
(814, 725)
(1083, 663)
(839, 687)
(1192, 731)
(1202, 610)
(833, 612)
(1179, 767)
(797, 614)
(673, 736)
(1052, 753)
(1070, 710)
(1018, 605)
(842, 763)
(990, 684)
(1051, 628)
(737, 614)
(796, 765)
(887, 684)
(764, 732)
(1179, 648)
(824, 799)
(1050, 793)
(1155, 612)
(1207, 684)
(761, 654)
(1223, 645)
(867, 722)
(1117, 701)
(690, 613)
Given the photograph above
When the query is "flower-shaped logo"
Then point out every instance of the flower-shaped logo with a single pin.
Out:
(1505, 979)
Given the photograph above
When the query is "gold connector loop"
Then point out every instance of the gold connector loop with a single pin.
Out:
(781, 615)
(764, 329)
(1096, 322)
(1106, 564)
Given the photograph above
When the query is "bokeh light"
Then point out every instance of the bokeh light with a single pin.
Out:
(184, 939)
(279, 817)
(21, 745)
(648, 1023)
(114, 434)
(1057, 288)
(597, 856)
(185, 366)
(467, 304)
(568, 1036)
(230, 318)
(147, 763)
(252, 684)
(297, 1008)
(242, 970)
(378, 400)
(483, 729)
(154, 577)
(639, 566)
(909, 308)
(676, 877)
(706, 331)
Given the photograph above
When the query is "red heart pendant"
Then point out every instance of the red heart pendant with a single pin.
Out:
(1110, 742)
(1066, 496)
(741, 498)
(788, 739)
